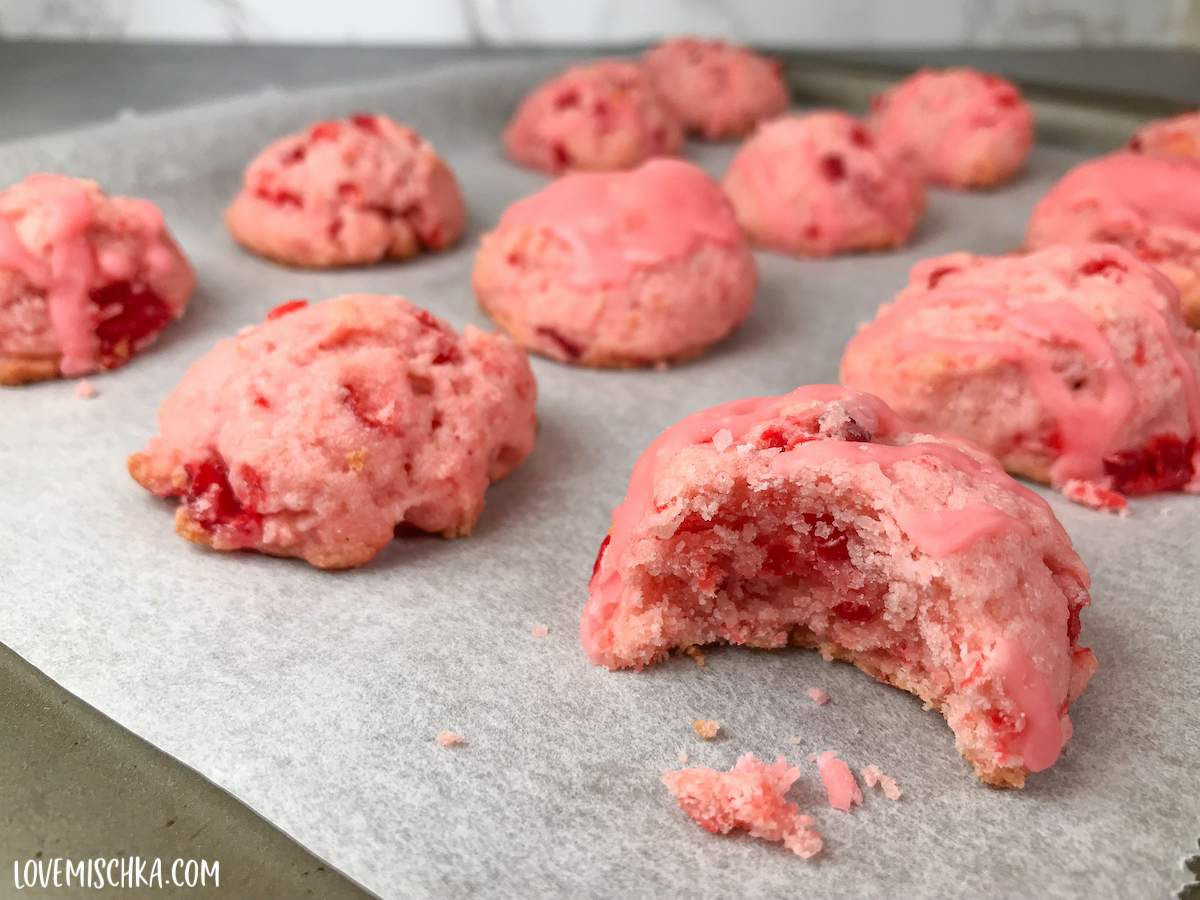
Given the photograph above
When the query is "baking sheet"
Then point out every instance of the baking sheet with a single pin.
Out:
(315, 697)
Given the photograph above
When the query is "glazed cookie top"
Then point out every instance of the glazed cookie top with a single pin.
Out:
(617, 223)
(1178, 136)
(366, 162)
(67, 239)
(1097, 331)
(1124, 190)
(819, 177)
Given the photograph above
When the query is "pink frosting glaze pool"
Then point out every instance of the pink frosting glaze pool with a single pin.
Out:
(822, 515)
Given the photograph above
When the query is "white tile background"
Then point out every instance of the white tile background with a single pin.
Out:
(776, 22)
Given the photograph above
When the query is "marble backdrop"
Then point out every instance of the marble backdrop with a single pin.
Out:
(776, 22)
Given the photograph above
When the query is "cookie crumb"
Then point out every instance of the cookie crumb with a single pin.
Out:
(872, 777)
(706, 728)
(450, 739)
(749, 797)
(682, 756)
(539, 631)
(722, 439)
(796, 739)
(696, 654)
(1094, 496)
(841, 789)
(356, 459)
(818, 696)
(85, 390)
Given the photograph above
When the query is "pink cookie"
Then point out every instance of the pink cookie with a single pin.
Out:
(606, 115)
(1069, 364)
(86, 280)
(817, 184)
(1147, 204)
(1178, 136)
(319, 432)
(347, 193)
(619, 268)
(718, 90)
(957, 127)
(750, 797)
(824, 518)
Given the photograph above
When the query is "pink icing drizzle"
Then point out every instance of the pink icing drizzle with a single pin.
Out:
(1043, 734)
(1089, 423)
(66, 281)
(619, 222)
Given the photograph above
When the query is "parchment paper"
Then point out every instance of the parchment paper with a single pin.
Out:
(316, 697)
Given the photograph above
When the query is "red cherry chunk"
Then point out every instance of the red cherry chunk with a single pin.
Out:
(289, 306)
(212, 502)
(1164, 464)
(129, 315)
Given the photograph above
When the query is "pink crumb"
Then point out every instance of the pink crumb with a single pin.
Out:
(818, 696)
(749, 797)
(840, 786)
(85, 390)
(706, 728)
(1093, 496)
(872, 776)
(682, 756)
(450, 739)
(539, 631)
(796, 739)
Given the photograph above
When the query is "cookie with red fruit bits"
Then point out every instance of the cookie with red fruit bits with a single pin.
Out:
(86, 280)
(822, 518)
(347, 193)
(318, 432)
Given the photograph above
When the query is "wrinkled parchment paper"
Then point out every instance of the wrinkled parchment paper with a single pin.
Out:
(316, 697)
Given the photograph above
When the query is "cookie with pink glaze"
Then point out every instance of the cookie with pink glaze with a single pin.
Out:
(1176, 137)
(605, 115)
(318, 432)
(819, 184)
(1148, 204)
(750, 797)
(1071, 365)
(957, 127)
(86, 280)
(619, 268)
(718, 90)
(347, 193)
(822, 518)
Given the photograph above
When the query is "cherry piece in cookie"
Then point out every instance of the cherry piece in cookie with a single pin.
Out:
(320, 431)
(957, 127)
(1149, 204)
(604, 115)
(819, 184)
(915, 557)
(86, 280)
(1072, 365)
(718, 90)
(1178, 136)
(347, 192)
(619, 268)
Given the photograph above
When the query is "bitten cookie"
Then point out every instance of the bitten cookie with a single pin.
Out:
(86, 280)
(957, 127)
(620, 268)
(824, 518)
(1178, 136)
(606, 115)
(718, 90)
(1071, 365)
(347, 193)
(819, 184)
(318, 432)
(1148, 204)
